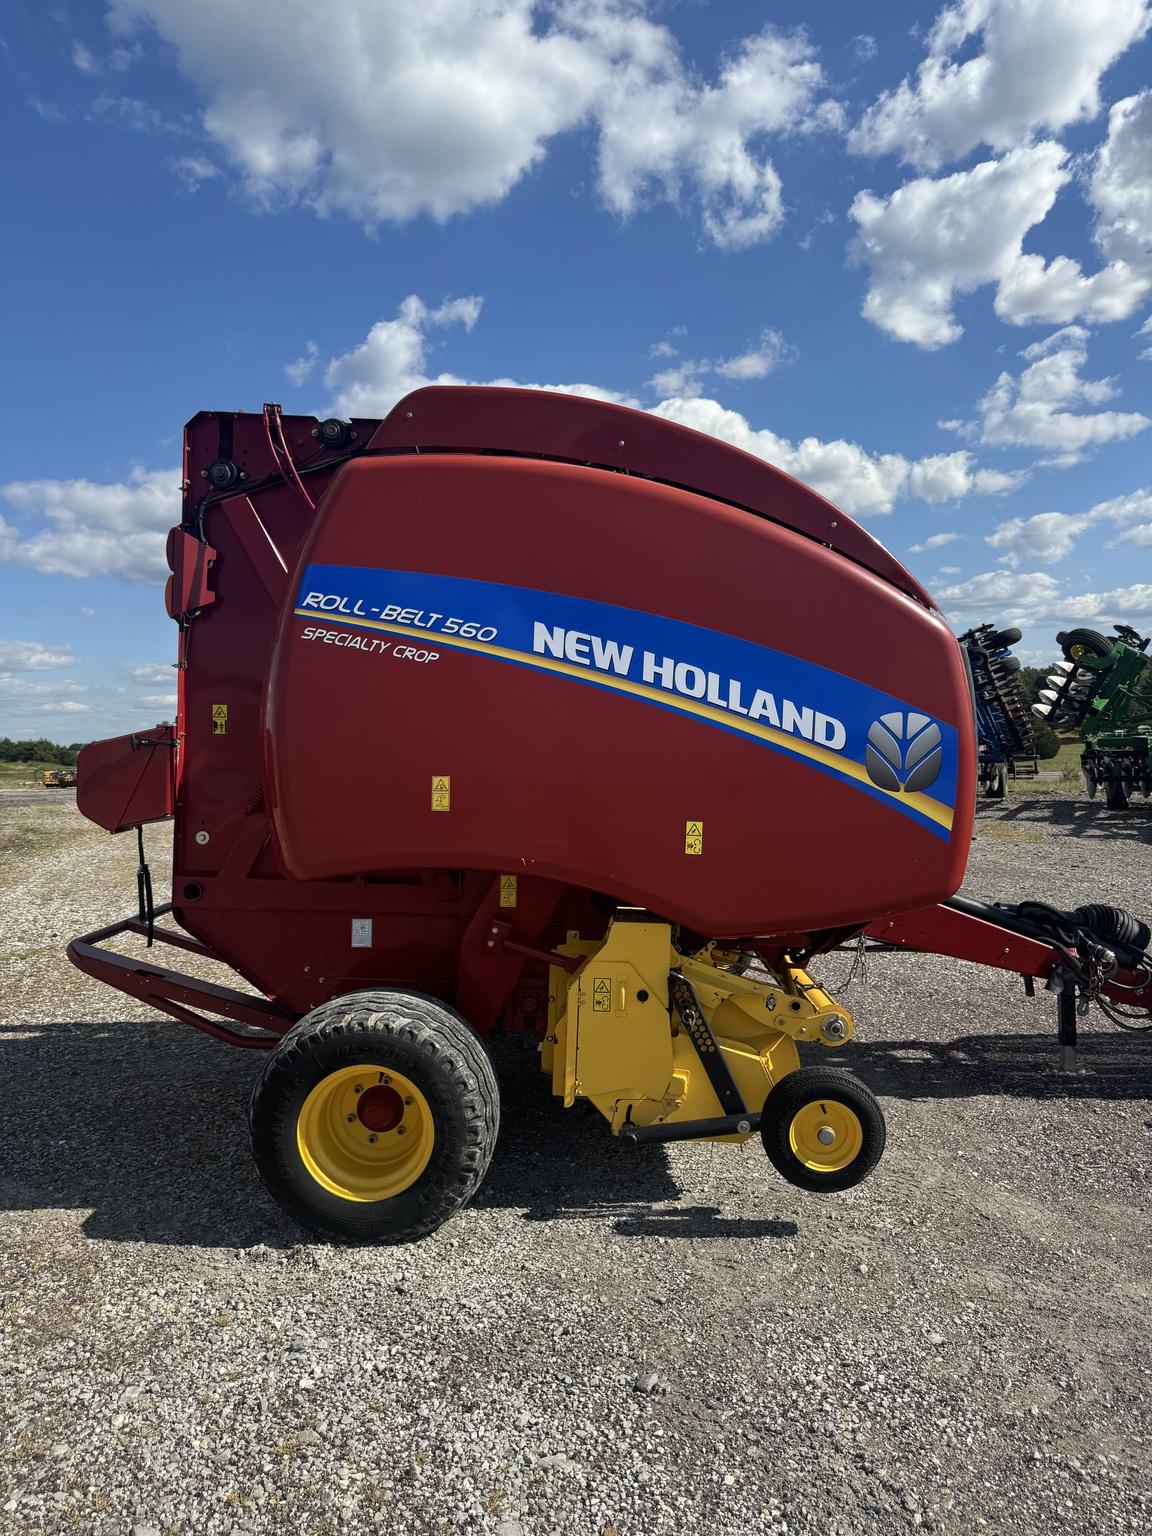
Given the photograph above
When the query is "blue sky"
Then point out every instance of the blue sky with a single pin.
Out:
(910, 265)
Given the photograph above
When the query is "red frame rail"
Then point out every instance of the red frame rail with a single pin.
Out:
(176, 993)
(947, 930)
(940, 930)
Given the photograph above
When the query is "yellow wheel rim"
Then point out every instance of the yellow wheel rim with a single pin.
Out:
(365, 1133)
(826, 1135)
(1077, 651)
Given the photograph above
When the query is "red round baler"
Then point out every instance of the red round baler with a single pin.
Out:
(526, 710)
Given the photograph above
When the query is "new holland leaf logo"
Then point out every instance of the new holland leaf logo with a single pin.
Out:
(904, 752)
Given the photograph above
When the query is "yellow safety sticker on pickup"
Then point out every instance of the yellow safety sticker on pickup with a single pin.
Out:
(441, 792)
(693, 837)
(219, 719)
(508, 886)
(602, 995)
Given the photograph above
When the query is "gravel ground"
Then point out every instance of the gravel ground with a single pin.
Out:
(608, 1342)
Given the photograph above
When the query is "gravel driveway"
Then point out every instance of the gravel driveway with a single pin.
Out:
(608, 1342)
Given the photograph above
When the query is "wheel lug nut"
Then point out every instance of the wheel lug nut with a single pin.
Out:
(825, 1135)
(400, 1129)
(407, 1101)
(351, 1118)
(372, 1139)
(359, 1088)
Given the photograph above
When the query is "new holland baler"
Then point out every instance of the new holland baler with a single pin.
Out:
(525, 711)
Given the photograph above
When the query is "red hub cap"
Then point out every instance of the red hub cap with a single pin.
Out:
(380, 1108)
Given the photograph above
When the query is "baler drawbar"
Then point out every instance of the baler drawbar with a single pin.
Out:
(509, 711)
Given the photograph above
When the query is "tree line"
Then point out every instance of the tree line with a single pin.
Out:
(38, 752)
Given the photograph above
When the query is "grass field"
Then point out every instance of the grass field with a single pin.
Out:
(24, 773)
(1066, 763)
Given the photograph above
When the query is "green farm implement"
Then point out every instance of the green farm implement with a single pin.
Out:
(1103, 689)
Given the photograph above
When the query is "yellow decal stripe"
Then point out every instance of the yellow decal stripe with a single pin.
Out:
(932, 810)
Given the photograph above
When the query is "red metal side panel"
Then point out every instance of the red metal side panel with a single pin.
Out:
(544, 424)
(578, 769)
(124, 781)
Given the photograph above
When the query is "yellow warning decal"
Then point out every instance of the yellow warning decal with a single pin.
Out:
(602, 995)
(693, 837)
(508, 885)
(441, 792)
(219, 719)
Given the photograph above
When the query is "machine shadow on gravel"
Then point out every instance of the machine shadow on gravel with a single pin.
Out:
(1113, 1066)
(1077, 818)
(143, 1125)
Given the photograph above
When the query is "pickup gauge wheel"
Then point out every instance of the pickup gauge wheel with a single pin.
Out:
(822, 1129)
(375, 1118)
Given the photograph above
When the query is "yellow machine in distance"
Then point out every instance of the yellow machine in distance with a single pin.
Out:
(59, 778)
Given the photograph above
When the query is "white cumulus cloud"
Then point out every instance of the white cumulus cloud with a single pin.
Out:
(86, 528)
(934, 239)
(82, 528)
(859, 482)
(31, 656)
(296, 372)
(1046, 538)
(386, 112)
(996, 72)
(934, 541)
(23, 698)
(193, 171)
(391, 361)
(1049, 537)
(661, 133)
(762, 357)
(1037, 598)
(1044, 406)
(1120, 188)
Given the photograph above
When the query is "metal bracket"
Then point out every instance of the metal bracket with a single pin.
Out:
(498, 941)
(683, 998)
(692, 1130)
(1066, 1028)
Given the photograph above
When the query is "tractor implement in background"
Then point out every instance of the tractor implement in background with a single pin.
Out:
(1103, 689)
(1005, 745)
(614, 789)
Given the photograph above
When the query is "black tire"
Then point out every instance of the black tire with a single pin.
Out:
(818, 1086)
(1077, 642)
(1003, 637)
(433, 1048)
(1115, 795)
(996, 785)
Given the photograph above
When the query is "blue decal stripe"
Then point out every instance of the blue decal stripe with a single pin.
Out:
(926, 811)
